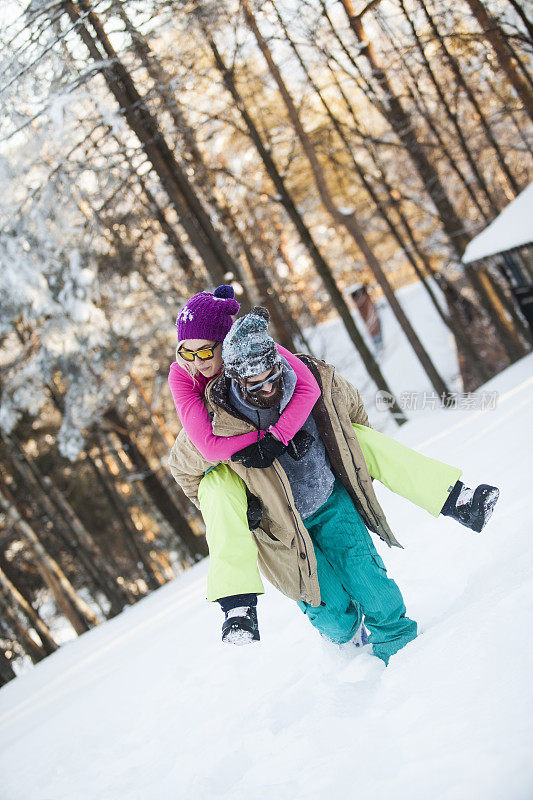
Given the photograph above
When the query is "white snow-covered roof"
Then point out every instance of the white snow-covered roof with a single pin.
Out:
(512, 228)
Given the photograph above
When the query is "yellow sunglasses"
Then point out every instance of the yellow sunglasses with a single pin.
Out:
(203, 353)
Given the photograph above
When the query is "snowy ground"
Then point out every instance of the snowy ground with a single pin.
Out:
(151, 706)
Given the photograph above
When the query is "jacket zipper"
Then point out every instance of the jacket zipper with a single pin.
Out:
(295, 521)
(288, 503)
(376, 520)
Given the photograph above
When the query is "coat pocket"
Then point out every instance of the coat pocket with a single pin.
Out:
(274, 537)
(279, 563)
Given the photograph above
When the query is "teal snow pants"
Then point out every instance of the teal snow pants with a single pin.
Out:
(353, 581)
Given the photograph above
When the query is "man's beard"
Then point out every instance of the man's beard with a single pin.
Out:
(259, 400)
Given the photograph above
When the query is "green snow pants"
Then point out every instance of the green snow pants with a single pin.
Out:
(233, 553)
(424, 481)
(353, 581)
(232, 550)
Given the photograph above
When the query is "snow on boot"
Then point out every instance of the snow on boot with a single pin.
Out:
(240, 626)
(471, 507)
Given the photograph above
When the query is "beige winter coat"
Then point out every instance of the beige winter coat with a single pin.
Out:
(286, 556)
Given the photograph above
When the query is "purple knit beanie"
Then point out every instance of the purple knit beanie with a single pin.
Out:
(208, 316)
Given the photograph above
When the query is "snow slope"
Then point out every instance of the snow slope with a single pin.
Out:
(151, 706)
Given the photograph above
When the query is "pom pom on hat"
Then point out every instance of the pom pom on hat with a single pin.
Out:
(224, 291)
(261, 311)
(248, 349)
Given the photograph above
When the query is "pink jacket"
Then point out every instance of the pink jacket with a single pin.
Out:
(188, 393)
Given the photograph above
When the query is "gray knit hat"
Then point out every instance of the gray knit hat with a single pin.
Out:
(248, 349)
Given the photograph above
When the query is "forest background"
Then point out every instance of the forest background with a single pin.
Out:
(150, 150)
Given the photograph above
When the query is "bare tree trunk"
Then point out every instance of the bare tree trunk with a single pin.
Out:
(193, 216)
(454, 64)
(7, 673)
(275, 286)
(488, 300)
(144, 516)
(519, 121)
(122, 514)
(263, 286)
(456, 330)
(113, 460)
(117, 593)
(320, 263)
(195, 545)
(83, 547)
(424, 114)
(188, 144)
(404, 128)
(161, 426)
(496, 310)
(17, 599)
(166, 440)
(380, 206)
(528, 25)
(78, 554)
(495, 35)
(519, 328)
(450, 114)
(346, 220)
(172, 237)
(35, 651)
(79, 614)
(283, 253)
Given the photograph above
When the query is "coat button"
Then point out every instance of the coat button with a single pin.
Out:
(302, 555)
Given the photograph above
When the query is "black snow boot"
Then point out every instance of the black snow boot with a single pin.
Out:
(471, 507)
(240, 624)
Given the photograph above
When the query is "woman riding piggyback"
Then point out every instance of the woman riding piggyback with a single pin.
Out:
(202, 325)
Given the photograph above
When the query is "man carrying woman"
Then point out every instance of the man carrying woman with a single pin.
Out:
(302, 459)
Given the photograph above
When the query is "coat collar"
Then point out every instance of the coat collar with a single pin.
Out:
(217, 393)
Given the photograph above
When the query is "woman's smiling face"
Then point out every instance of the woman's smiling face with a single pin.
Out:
(209, 367)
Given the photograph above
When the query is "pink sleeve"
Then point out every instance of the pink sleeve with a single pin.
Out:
(306, 393)
(188, 398)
